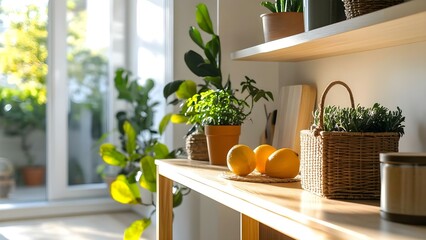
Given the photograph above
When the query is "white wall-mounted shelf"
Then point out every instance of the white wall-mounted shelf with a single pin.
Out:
(398, 25)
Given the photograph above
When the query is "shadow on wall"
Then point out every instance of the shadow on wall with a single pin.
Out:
(422, 136)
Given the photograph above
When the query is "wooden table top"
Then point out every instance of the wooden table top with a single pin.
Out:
(288, 208)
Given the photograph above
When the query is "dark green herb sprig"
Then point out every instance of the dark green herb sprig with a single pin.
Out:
(360, 119)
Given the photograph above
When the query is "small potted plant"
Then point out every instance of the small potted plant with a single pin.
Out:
(285, 19)
(22, 113)
(221, 113)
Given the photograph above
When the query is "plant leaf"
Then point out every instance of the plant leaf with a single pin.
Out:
(131, 137)
(171, 88)
(203, 18)
(136, 229)
(186, 90)
(121, 191)
(164, 122)
(269, 6)
(196, 63)
(178, 118)
(111, 156)
(196, 37)
(149, 174)
(177, 198)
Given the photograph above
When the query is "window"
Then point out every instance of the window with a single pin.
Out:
(55, 70)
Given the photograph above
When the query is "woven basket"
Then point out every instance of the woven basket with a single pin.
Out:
(196, 147)
(354, 8)
(343, 165)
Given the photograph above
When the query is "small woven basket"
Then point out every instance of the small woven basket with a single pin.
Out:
(196, 147)
(343, 165)
(354, 8)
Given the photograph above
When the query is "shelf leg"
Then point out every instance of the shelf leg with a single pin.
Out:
(249, 228)
(164, 208)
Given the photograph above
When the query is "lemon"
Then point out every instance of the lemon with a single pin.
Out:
(241, 160)
(262, 153)
(283, 163)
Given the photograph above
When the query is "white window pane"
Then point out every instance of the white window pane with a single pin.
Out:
(88, 47)
(23, 74)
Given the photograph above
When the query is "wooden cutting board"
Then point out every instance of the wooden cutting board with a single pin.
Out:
(296, 103)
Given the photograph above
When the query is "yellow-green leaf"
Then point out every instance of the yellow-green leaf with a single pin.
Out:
(111, 156)
(122, 192)
(148, 179)
(164, 122)
(186, 90)
(136, 229)
(178, 118)
(131, 137)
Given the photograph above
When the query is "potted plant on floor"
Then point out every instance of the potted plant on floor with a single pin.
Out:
(139, 147)
(22, 112)
(285, 19)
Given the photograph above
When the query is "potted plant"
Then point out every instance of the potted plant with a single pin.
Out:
(138, 149)
(221, 113)
(22, 112)
(231, 112)
(207, 66)
(285, 19)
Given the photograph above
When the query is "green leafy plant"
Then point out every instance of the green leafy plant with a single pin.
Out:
(139, 149)
(284, 5)
(208, 67)
(360, 119)
(222, 107)
(22, 112)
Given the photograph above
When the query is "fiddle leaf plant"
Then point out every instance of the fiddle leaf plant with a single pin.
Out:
(138, 150)
(206, 66)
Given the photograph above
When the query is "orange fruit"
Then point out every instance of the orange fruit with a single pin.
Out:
(241, 160)
(262, 153)
(283, 163)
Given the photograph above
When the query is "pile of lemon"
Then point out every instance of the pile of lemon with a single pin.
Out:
(279, 163)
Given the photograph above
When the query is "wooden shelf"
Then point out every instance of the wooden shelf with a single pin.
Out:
(284, 207)
(398, 25)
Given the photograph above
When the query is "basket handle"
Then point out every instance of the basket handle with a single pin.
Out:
(324, 94)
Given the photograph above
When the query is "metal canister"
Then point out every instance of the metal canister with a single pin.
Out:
(403, 187)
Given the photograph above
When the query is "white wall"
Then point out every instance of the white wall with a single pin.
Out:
(216, 222)
(392, 77)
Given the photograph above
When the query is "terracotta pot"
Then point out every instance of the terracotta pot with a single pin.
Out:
(219, 140)
(33, 175)
(282, 24)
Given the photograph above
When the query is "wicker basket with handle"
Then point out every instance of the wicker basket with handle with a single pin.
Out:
(354, 8)
(343, 165)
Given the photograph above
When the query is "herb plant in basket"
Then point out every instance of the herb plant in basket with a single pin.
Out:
(340, 155)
